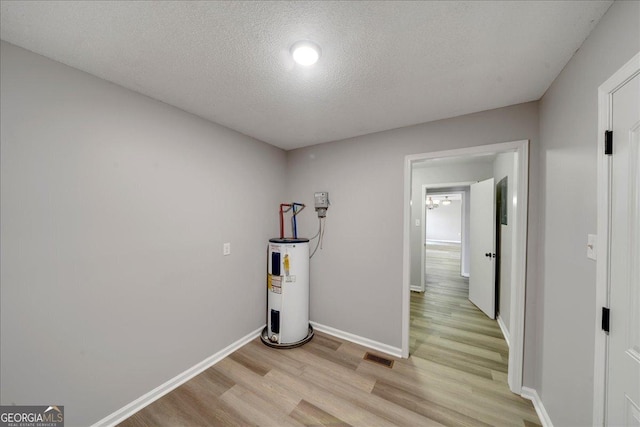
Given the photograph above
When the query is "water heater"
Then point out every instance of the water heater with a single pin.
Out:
(287, 293)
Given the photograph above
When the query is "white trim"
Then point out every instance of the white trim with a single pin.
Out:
(423, 235)
(605, 92)
(464, 247)
(505, 331)
(406, 255)
(444, 187)
(366, 342)
(444, 241)
(532, 395)
(518, 273)
(175, 382)
(518, 267)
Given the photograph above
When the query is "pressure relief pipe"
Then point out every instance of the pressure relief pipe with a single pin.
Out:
(293, 218)
(282, 211)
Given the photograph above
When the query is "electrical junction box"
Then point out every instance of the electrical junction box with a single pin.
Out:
(321, 203)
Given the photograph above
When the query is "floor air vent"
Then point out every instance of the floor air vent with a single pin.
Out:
(379, 360)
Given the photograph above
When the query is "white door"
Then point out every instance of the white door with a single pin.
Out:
(482, 288)
(623, 392)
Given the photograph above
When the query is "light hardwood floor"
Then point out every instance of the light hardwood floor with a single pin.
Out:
(456, 376)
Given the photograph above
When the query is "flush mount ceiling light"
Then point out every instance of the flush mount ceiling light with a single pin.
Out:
(305, 52)
(446, 201)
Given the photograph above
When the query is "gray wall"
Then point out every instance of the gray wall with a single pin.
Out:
(503, 167)
(451, 173)
(113, 213)
(445, 223)
(356, 280)
(568, 131)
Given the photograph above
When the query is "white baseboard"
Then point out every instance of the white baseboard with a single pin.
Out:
(155, 394)
(465, 275)
(532, 395)
(366, 342)
(416, 288)
(443, 241)
(504, 330)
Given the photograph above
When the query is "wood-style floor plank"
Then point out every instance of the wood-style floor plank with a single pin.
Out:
(310, 415)
(456, 374)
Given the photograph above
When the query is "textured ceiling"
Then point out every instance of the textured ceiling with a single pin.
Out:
(384, 64)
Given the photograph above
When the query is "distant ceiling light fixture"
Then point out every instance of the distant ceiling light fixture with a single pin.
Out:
(432, 204)
(305, 52)
(446, 201)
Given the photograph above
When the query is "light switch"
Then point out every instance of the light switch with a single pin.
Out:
(591, 246)
(417, 223)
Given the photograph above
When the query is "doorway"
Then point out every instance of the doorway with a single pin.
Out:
(516, 298)
(441, 227)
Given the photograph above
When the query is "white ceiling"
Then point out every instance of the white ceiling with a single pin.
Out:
(384, 64)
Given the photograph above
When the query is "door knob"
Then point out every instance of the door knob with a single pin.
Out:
(487, 255)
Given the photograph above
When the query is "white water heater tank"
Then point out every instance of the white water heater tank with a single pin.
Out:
(288, 293)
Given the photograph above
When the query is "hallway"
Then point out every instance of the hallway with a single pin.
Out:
(450, 332)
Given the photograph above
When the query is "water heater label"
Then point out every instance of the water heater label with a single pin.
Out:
(286, 264)
(276, 284)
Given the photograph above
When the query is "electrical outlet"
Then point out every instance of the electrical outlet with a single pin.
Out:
(226, 249)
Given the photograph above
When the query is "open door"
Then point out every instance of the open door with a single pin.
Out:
(482, 287)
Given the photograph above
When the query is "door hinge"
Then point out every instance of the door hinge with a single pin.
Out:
(605, 319)
(608, 142)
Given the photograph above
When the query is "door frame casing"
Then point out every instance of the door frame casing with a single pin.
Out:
(423, 228)
(603, 262)
(519, 245)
